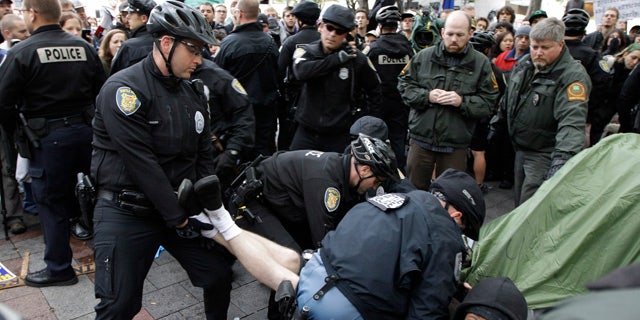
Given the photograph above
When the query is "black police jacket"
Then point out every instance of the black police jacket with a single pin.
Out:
(251, 56)
(52, 74)
(232, 117)
(150, 133)
(331, 88)
(133, 50)
(411, 257)
(308, 185)
(597, 69)
(306, 35)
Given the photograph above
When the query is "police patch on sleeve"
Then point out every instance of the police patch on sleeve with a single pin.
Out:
(199, 122)
(127, 101)
(237, 86)
(331, 199)
(297, 55)
(388, 201)
(576, 92)
(604, 66)
(406, 67)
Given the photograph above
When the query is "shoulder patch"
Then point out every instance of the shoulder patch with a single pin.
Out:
(576, 92)
(366, 50)
(331, 199)
(388, 201)
(298, 53)
(371, 65)
(457, 271)
(604, 66)
(127, 101)
(237, 86)
(494, 81)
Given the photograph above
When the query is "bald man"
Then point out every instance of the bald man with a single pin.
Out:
(448, 87)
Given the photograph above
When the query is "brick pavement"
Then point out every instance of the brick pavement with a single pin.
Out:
(168, 294)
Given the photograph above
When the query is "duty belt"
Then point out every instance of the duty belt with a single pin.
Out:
(64, 122)
(130, 200)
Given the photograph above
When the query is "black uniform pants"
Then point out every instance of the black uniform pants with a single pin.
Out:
(125, 246)
(64, 152)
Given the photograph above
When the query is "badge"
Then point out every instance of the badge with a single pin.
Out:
(366, 50)
(494, 81)
(388, 201)
(237, 86)
(331, 199)
(199, 118)
(536, 99)
(576, 92)
(604, 66)
(343, 73)
(127, 101)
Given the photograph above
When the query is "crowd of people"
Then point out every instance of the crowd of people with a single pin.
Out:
(266, 135)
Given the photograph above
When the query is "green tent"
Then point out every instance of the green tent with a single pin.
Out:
(581, 224)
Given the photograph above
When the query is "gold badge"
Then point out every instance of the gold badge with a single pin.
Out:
(576, 92)
(127, 101)
(331, 199)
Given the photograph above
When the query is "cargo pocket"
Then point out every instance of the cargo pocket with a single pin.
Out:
(38, 184)
(104, 270)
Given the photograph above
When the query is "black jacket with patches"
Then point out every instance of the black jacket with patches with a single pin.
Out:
(308, 185)
(306, 35)
(331, 88)
(158, 144)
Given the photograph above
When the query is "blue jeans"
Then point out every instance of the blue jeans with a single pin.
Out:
(333, 305)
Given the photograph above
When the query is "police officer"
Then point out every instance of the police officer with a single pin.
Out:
(337, 80)
(396, 256)
(232, 120)
(544, 108)
(54, 78)
(389, 54)
(251, 56)
(575, 22)
(140, 41)
(306, 13)
(151, 131)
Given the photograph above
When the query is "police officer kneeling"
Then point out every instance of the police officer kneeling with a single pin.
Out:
(396, 256)
(151, 131)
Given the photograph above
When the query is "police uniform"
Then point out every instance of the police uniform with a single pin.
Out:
(251, 56)
(389, 54)
(232, 120)
(599, 114)
(329, 93)
(410, 250)
(546, 114)
(150, 133)
(133, 50)
(54, 78)
(290, 86)
(628, 98)
(306, 191)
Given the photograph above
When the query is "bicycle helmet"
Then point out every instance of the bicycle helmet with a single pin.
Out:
(180, 20)
(388, 14)
(575, 22)
(376, 154)
(461, 191)
(482, 40)
(307, 12)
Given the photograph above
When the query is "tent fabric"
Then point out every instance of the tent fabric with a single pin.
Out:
(581, 224)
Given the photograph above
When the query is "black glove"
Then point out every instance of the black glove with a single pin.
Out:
(187, 198)
(207, 190)
(225, 161)
(344, 56)
(556, 164)
(492, 134)
(193, 228)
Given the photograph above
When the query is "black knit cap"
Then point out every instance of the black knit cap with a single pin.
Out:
(495, 299)
(463, 193)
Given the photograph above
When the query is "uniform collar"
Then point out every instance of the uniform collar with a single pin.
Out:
(251, 26)
(170, 82)
(48, 27)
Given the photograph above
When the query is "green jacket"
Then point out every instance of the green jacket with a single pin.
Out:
(447, 126)
(546, 111)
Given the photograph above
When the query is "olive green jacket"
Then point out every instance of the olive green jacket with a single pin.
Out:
(442, 125)
(546, 111)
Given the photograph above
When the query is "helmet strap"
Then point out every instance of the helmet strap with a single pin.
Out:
(360, 178)
(167, 60)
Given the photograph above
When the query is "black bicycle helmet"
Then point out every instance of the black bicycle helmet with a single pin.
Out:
(482, 40)
(388, 14)
(575, 22)
(376, 154)
(180, 20)
(306, 11)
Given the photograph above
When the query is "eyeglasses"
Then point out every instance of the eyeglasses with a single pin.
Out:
(339, 31)
(195, 50)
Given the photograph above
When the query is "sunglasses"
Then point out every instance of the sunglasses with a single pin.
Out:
(339, 31)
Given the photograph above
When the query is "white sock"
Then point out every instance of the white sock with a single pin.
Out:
(221, 220)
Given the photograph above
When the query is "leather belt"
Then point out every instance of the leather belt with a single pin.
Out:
(133, 201)
(64, 122)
